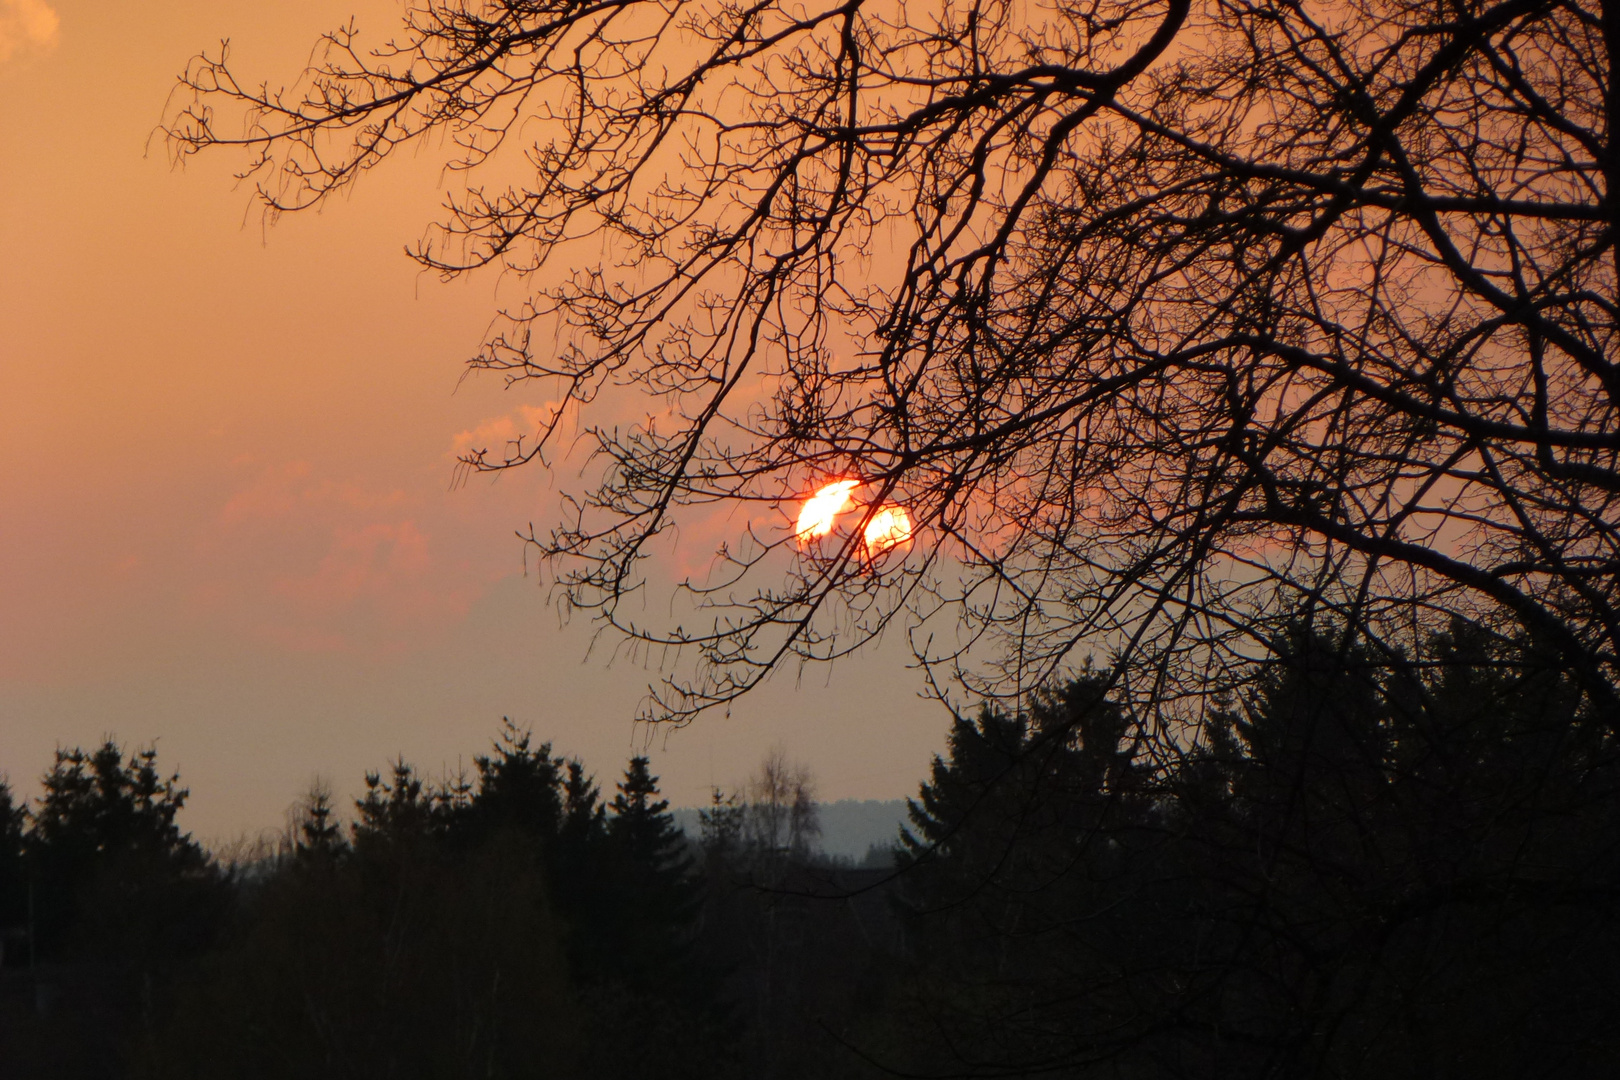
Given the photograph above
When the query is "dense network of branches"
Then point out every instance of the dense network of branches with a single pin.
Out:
(1166, 320)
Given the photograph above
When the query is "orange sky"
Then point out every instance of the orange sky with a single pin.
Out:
(225, 455)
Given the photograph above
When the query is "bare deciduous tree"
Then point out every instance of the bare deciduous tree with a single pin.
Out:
(781, 818)
(1164, 319)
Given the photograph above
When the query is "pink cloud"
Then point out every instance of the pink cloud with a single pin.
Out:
(498, 434)
(287, 490)
(312, 563)
(274, 494)
(375, 560)
(27, 24)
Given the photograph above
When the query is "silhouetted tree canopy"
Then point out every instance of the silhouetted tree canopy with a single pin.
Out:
(498, 925)
(520, 787)
(100, 887)
(110, 862)
(318, 832)
(1361, 866)
(641, 823)
(13, 884)
(1161, 319)
(1366, 868)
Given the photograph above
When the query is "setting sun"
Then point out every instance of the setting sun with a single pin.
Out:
(821, 510)
(889, 527)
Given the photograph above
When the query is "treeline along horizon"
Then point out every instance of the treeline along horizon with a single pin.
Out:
(1362, 866)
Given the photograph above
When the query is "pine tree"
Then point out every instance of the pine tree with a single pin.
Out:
(13, 883)
(655, 897)
(403, 809)
(318, 833)
(105, 839)
(1372, 865)
(517, 787)
(721, 828)
(641, 822)
(582, 810)
(1022, 890)
(94, 803)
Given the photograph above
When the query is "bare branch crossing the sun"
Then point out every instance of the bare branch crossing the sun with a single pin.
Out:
(887, 528)
(821, 510)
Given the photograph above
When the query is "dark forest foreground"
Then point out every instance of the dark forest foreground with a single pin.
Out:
(1362, 869)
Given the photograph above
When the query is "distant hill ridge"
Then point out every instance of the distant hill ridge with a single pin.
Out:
(848, 827)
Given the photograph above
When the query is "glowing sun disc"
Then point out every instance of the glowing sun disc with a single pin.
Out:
(889, 527)
(821, 510)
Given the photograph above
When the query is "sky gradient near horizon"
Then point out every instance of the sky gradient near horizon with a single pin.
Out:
(226, 517)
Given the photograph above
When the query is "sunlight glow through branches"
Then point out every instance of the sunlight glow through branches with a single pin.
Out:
(821, 510)
(889, 528)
